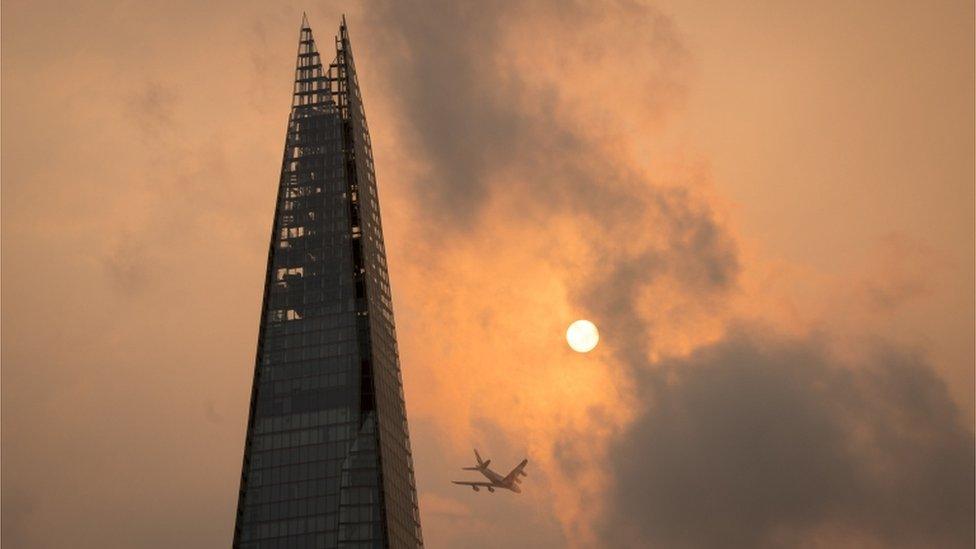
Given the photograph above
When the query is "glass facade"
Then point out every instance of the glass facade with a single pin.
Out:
(327, 457)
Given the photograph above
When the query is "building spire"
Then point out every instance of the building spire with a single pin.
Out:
(327, 239)
(311, 87)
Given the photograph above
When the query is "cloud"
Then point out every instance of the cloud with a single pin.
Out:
(522, 119)
(487, 115)
(760, 442)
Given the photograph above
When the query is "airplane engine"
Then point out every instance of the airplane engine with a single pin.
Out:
(523, 473)
(490, 489)
(475, 488)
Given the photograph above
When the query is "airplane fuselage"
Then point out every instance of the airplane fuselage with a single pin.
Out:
(498, 481)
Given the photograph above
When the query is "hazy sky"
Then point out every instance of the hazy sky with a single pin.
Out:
(767, 208)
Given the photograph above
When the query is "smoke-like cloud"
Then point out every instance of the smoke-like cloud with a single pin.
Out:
(526, 148)
(751, 440)
(757, 441)
(488, 115)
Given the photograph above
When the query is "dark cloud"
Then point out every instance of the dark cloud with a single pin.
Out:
(476, 124)
(759, 443)
(473, 118)
(457, 113)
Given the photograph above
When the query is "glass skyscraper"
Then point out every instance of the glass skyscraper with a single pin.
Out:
(327, 458)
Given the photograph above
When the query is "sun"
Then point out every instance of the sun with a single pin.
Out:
(582, 336)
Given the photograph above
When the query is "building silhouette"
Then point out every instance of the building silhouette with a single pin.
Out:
(327, 458)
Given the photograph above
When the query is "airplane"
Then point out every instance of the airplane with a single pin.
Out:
(508, 482)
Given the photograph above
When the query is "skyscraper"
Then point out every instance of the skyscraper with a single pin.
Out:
(327, 458)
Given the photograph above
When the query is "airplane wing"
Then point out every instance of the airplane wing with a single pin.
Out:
(466, 483)
(518, 470)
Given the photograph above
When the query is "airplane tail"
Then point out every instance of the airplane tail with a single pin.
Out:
(481, 463)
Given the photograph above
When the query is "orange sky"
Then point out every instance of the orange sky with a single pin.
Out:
(768, 209)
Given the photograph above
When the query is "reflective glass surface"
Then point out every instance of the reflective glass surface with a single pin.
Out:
(327, 457)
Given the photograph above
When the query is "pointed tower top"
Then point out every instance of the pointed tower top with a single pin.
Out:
(311, 84)
(343, 29)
